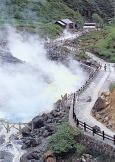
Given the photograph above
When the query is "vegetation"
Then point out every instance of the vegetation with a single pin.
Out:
(105, 48)
(33, 15)
(98, 20)
(81, 56)
(99, 42)
(63, 141)
(112, 87)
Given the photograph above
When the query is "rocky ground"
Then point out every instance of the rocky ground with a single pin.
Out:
(104, 109)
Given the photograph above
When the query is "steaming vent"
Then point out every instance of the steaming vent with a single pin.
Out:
(30, 82)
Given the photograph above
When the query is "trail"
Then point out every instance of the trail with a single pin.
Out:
(83, 108)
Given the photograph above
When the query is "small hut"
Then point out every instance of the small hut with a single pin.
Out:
(66, 23)
(89, 26)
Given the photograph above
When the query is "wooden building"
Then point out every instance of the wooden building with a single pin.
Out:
(89, 26)
(66, 24)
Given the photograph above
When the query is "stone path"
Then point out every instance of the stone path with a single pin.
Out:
(82, 108)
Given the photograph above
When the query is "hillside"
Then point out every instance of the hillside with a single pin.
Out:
(100, 42)
(35, 14)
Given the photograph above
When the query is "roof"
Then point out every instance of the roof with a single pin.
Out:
(61, 23)
(89, 23)
(66, 21)
(89, 27)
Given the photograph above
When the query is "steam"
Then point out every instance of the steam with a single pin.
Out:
(31, 87)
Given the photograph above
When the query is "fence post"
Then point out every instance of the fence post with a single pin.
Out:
(74, 96)
(77, 123)
(103, 135)
(20, 129)
(84, 126)
(8, 128)
(114, 139)
(74, 117)
(94, 131)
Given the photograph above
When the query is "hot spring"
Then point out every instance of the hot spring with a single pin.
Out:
(31, 87)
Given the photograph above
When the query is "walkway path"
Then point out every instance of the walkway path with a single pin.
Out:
(83, 108)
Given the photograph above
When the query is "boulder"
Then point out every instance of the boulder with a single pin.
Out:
(49, 157)
(89, 62)
(26, 131)
(35, 142)
(33, 155)
(38, 122)
(50, 128)
(97, 129)
(105, 94)
(99, 104)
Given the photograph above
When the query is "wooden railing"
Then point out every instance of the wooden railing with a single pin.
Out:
(18, 126)
(86, 127)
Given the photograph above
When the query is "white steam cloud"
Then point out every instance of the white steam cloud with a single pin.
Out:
(30, 88)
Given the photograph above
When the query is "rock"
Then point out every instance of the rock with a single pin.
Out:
(51, 128)
(54, 113)
(13, 137)
(109, 125)
(99, 104)
(38, 122)
(107, 118)
(2, 140)
(105, 94)
(64, 98)
(1, 155)
(57, 105)
(6, 156)
(46, 133)
(26, 131)
(33, 155)
(67, 104)
(35, 142)
(88, 99)
(49, 157)
(106, 104)
(98, 116)
(89, 62)
(97, 129)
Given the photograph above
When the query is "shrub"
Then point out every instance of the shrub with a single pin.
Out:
(112, 87)
(63, 140)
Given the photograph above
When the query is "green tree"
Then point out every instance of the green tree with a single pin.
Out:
(18, 15)
(97, 19)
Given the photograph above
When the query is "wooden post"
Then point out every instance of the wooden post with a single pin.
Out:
(8, 128)
(73, 104)
(74, 97)
(77, 123)
(73, 113)
(114, 139)
(103, 135)
(20, 129)
(93, 131)
(32, 126)
(74, 117)
(84, 126)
